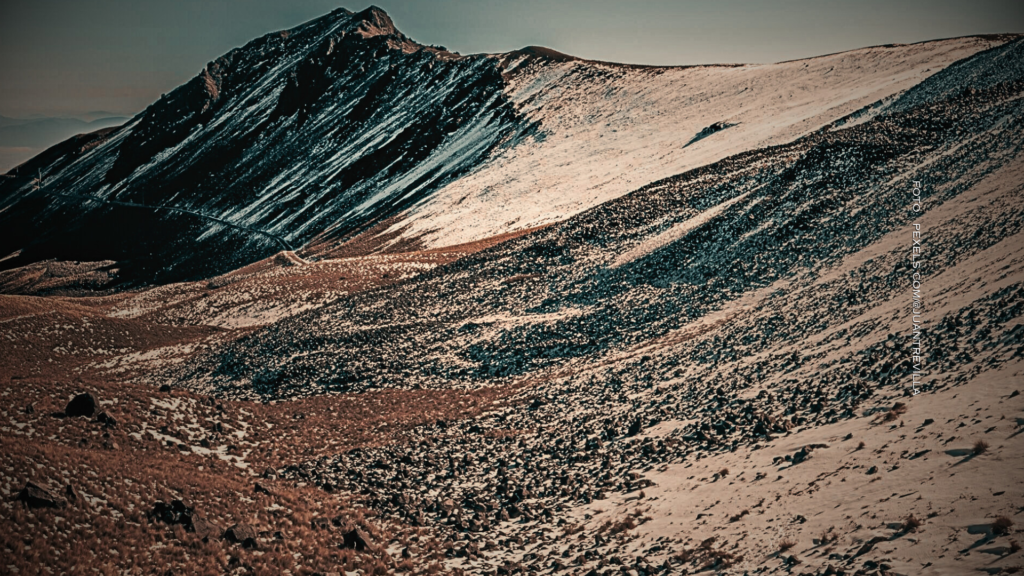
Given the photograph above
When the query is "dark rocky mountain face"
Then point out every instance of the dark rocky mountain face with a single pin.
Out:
(318, 130)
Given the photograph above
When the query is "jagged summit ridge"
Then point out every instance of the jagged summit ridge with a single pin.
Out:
(324, 128)
(374, 21)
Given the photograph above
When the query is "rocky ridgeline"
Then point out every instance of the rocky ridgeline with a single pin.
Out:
(334, 125)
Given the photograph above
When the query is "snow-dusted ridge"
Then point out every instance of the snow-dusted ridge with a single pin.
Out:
(325, 130)
(607, 129)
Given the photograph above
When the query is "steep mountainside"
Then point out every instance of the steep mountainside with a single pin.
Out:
(319, 129)
(307, 137)
(665, 257)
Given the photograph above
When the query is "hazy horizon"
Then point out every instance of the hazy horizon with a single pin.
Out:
(70, 58)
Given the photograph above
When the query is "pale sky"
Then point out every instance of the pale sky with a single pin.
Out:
(68, 57)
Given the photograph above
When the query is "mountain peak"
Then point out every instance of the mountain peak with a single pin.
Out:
(374, 21)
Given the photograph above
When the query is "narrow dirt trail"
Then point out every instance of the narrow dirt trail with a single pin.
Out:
(284, 243)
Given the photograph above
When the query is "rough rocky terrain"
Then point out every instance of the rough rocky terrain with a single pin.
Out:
(706, 372)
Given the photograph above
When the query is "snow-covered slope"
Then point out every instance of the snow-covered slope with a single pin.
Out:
(607, 129)
(344, 125)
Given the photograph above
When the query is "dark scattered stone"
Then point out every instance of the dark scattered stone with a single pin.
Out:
(71, 494)
(709, 130)
(166, 388)
(240, 533)
(872, 470)
(106, 419)
(81, 405)
(35, 496)
(636, 427)
(203, 528)
(357, 540)
(174, 513)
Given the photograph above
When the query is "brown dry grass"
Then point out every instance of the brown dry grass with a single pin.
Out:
(613, 527)
(911, 523)
(1002, 525)
(738, 517)
(119, 475)
(120, 472)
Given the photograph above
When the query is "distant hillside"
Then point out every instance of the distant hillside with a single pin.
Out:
(23, 138)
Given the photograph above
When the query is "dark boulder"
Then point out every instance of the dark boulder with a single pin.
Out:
(204, 529)
(35, 496)
(636, 427)
(107, 419)
(869, 545)
(357, 540)
(177, 512)
(81, 405)
(71, 494)
(240, 533)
